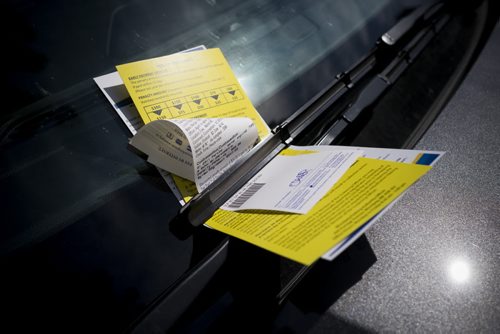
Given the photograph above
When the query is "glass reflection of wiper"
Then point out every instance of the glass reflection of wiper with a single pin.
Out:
(48, 112)
(393, 35)
(334, 108)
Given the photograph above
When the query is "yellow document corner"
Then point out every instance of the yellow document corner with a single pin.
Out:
(188, 85)
(291, 152)
(365, 189)
(186, 187)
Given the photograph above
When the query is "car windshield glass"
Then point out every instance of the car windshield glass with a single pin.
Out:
(87, 208)
(64, 151)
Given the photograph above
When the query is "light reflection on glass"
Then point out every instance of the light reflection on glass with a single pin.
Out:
(459, 271)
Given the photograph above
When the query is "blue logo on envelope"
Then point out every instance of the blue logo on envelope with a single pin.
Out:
(298, 178)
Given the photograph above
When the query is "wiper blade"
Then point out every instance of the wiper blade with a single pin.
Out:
(384, 64)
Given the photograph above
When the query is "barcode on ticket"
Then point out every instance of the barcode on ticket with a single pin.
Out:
(246, 195)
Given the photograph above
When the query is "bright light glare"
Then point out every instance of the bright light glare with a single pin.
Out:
(459, 271)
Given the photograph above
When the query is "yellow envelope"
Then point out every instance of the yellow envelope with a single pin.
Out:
(364, 190)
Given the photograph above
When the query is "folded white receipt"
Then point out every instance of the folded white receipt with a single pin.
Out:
(197, 149)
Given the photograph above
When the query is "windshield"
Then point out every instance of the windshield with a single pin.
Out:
(65, 163)
(56, 123)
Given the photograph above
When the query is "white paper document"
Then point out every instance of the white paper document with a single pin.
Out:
(113, 88)
(294, 183)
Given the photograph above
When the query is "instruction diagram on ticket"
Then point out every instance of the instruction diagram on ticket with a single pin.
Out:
(198, 84)
(187, 105)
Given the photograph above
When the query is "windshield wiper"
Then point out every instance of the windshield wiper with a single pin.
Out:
(384, 64)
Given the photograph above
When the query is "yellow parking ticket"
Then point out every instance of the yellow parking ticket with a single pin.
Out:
(362, 192)
(198, 84)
